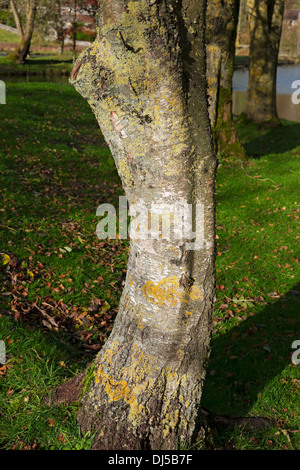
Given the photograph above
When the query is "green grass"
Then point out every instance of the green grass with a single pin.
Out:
(55, 170)
(7, 36)
(257, 309)
(36, 363)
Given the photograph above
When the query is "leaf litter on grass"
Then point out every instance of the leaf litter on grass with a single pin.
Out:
(89, 326)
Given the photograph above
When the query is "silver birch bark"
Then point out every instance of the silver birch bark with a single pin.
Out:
(145, 80)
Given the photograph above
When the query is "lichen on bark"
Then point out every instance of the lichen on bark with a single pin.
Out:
(144, 78)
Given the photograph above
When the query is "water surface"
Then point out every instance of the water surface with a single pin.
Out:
(286, 75)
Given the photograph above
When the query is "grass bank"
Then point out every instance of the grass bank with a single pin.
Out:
(7, 36)
(60, 284)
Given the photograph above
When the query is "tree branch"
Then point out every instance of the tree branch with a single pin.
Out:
(17, 19)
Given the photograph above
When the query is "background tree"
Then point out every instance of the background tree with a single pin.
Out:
(265, 22)
(25, 27)
(55, 20)
(145, 80)
(222, 20)
(76, 8)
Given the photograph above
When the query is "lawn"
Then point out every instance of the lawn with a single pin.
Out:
(60, 285)
(7, 36)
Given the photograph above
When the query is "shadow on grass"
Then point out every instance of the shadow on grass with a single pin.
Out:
(37, 61)
(244, 360)
(274, 140)
(250, 355)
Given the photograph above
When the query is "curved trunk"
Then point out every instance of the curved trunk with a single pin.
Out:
(144, 78)
(265, 20)
(222, 20)
(20, 54)
(15, 12)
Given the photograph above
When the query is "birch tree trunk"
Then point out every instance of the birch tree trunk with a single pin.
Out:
(145, 79)
(222, 21)
(265, 21)
(25, 33)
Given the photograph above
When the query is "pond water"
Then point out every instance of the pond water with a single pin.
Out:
(286, 75)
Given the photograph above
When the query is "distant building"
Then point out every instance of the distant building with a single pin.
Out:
(79, 12)
(85, 12)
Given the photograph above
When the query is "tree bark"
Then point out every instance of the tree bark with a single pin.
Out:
(145, 79)
(222, 20)
(15, 12)
(74, 30)
(265, 21)
(22, 51)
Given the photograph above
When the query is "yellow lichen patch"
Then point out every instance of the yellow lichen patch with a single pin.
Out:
(187, 315)
(138, 372)
(142, 365)
(125, 172)
(195, 293)
(170, 422)
(180, 354)
(168, 291)
(115, 389)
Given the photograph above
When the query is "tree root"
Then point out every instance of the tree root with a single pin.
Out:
(71, 391)
(67, 392)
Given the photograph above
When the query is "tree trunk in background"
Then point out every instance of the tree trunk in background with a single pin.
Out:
(74, 31)
(222, 20)
(265, 21)
(20, 54)
(15, 12)
(145, 79)
(243, 35)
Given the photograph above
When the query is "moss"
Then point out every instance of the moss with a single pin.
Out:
(225, 138)
(13, 57)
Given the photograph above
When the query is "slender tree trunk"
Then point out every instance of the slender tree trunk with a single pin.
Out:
(22, 51)
(74, 31)
(144, 78)
(62, 46)
(15, 12)
(265, 20)
(222, 20)
(242, 27)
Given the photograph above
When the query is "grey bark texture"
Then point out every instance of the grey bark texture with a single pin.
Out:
(145, 80)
